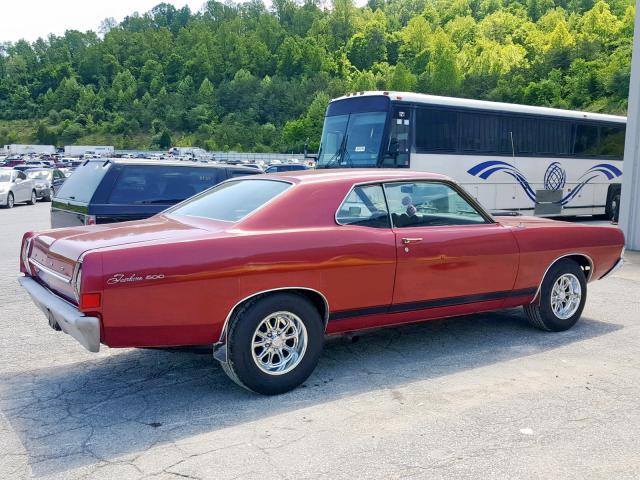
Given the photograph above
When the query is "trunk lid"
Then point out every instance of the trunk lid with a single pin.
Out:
(72, 242)
(54, 253)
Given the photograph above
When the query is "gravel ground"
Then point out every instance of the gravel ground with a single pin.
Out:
(481, 396)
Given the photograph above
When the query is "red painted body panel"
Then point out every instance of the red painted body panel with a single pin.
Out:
(172, 280)
(455, 261)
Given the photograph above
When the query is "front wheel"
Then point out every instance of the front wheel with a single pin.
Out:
(274, 343)
(10, 200)
(33, 199)
(561, 299)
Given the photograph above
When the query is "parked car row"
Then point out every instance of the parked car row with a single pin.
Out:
(28, 184)
(15, 187)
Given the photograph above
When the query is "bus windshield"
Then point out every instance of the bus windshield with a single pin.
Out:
(351, 140)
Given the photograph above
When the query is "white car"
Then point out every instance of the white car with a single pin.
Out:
(15, 187)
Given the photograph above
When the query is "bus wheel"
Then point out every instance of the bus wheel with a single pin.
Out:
(612, 208)
(614, 211)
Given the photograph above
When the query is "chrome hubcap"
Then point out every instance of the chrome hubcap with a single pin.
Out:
(10, 201)
(565, 296)
(279, 343)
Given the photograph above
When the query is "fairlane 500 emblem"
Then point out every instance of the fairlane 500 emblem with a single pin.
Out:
(122, 278)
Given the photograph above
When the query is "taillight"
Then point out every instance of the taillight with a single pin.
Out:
(90, 220)
(89, 300)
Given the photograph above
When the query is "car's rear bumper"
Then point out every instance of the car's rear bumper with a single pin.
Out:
(613, 269)
(86, 330)
(43, 192)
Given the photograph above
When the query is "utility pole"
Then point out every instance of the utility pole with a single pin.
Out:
(630, 195)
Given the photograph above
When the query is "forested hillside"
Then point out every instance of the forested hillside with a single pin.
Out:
(244, 77)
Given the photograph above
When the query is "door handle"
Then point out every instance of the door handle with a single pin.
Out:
(406, 240)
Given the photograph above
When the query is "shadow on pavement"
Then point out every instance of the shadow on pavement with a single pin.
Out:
(79, 414)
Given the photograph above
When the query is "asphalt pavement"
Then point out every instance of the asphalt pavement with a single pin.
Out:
(481, 396)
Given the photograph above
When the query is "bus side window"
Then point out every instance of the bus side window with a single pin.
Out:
(397, 154)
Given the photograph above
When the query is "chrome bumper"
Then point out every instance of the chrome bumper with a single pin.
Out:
(86, 330)
(614, 269)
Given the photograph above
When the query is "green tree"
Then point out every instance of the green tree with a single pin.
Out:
(163, 140)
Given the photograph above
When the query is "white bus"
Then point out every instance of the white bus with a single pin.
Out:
(515, 158)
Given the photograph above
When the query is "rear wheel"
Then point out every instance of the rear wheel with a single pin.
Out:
(274, 343)
(33, 199)
(612, 208)
(561, 298)
(615, 208)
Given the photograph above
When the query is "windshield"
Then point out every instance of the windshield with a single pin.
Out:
(231, 201)
(351, 140)
(5, 177)
(39, 175)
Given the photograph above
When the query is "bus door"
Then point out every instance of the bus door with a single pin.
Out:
(399, 146)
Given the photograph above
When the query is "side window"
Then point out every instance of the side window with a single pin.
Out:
(399, 139)
(586, 142)
(554, 137)
(22, 176)
(485, 133)
(364, 206)
(612, 141)
(160, 184)
(436, 130)
(427, 204)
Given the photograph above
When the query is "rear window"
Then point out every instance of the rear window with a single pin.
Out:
(232, 201)
(84, 181)
(161, 184)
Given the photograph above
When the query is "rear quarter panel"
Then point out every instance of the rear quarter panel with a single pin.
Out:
(543, 243)
(203, 280)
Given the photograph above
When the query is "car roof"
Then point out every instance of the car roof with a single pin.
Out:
(354, 175)
(155, 162)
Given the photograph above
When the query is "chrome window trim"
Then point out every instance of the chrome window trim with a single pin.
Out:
(589, 275)
(353, 187)
(223, 332)
(49, 271)
(169, 211)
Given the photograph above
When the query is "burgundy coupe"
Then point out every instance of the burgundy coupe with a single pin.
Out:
(264, 267)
